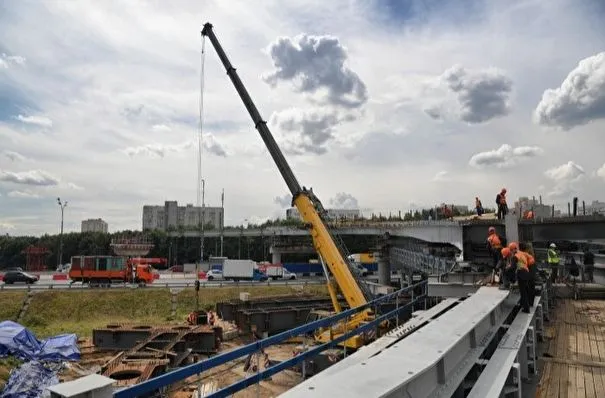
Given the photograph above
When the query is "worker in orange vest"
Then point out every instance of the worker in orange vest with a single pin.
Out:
(504, 268)
(501, 203)
(494, 245)
(533, 270)
(520, 261)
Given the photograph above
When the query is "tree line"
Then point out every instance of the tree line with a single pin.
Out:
(176, 249)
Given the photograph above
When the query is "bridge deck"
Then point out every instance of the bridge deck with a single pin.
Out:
(574, 362)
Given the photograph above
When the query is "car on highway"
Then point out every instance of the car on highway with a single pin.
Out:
(214, 274)
(11, 277)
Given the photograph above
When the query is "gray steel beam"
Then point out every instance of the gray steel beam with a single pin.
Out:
(516, 353)
(393, 336)
(451, 289)
(422, 363)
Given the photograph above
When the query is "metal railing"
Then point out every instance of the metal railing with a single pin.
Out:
(180, 285)
(167, 379)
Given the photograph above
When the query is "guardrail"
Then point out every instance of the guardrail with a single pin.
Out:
(156, 285)
(183, 373)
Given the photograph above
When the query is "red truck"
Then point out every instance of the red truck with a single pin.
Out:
(104, 270)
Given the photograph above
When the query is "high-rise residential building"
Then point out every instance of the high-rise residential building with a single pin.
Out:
(173, 216)
(94, 225)
(333, 214)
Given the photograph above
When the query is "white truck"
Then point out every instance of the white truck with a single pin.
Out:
(236, 270)
(278, 272)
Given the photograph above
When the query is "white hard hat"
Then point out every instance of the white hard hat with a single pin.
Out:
(552, 245)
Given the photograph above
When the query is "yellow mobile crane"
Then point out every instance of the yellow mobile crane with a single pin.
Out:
(331, 251)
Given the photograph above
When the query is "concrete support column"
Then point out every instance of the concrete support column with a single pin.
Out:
(384, 266)
(275, 256)
(511, 224)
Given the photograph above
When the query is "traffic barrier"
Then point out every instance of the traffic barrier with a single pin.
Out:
(59, 277)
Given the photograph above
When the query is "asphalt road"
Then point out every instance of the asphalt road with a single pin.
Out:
(175, 283)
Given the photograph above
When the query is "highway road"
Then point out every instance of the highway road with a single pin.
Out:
(175, 283)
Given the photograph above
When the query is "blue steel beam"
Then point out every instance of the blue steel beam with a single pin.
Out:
(199, 367)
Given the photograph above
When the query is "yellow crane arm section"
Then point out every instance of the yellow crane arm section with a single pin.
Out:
(326, 247)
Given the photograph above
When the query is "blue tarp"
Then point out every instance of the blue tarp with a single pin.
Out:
(30, 381)
(18, 341)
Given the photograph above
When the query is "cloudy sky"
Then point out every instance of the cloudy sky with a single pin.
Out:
(384, 105)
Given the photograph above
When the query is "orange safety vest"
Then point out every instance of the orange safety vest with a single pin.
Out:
(530, 260)
(494, 241)
(522, 261)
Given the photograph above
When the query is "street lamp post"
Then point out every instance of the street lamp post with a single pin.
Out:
(203, 222)
(62, 205)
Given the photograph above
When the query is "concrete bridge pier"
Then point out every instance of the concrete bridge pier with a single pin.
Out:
(384, 265)
(511, 226)
(275, 257)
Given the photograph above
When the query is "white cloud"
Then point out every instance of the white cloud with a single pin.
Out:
(283, 201)
(23, 195)
(579, 100)
(481, 95)
(569, 171)
(6, 227)
(14, 156)
(41, 121)
(74, 186)
(601, 172)
(505, 156)
(309, 130)
(566, 178)
(316, 64)
(158, 150)
(7, 61)
(441, 176)
(161, 128)
(343, 200)
(32, 177)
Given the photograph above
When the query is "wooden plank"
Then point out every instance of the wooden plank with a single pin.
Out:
(599, 340)
(572, 346)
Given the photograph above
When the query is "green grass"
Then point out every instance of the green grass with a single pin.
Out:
(6, 365)
(10, 304)
(55, 312)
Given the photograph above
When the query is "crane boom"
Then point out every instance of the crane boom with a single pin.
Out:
(306, 202)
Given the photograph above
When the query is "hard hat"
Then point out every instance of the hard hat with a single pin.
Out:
(513, 246)
(505, 252)
(491, 229)
(553, 246)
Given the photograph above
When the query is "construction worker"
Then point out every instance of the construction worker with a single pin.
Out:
(494, 245)
(478, 206)
(519, 261)
(527, 250)
(502, 206)
(506, 276)
(588, 260)
(552, 258)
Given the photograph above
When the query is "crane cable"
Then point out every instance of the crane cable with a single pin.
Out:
(200, 181)
(201, 121)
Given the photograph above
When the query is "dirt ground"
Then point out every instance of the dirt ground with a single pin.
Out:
(230, 373)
